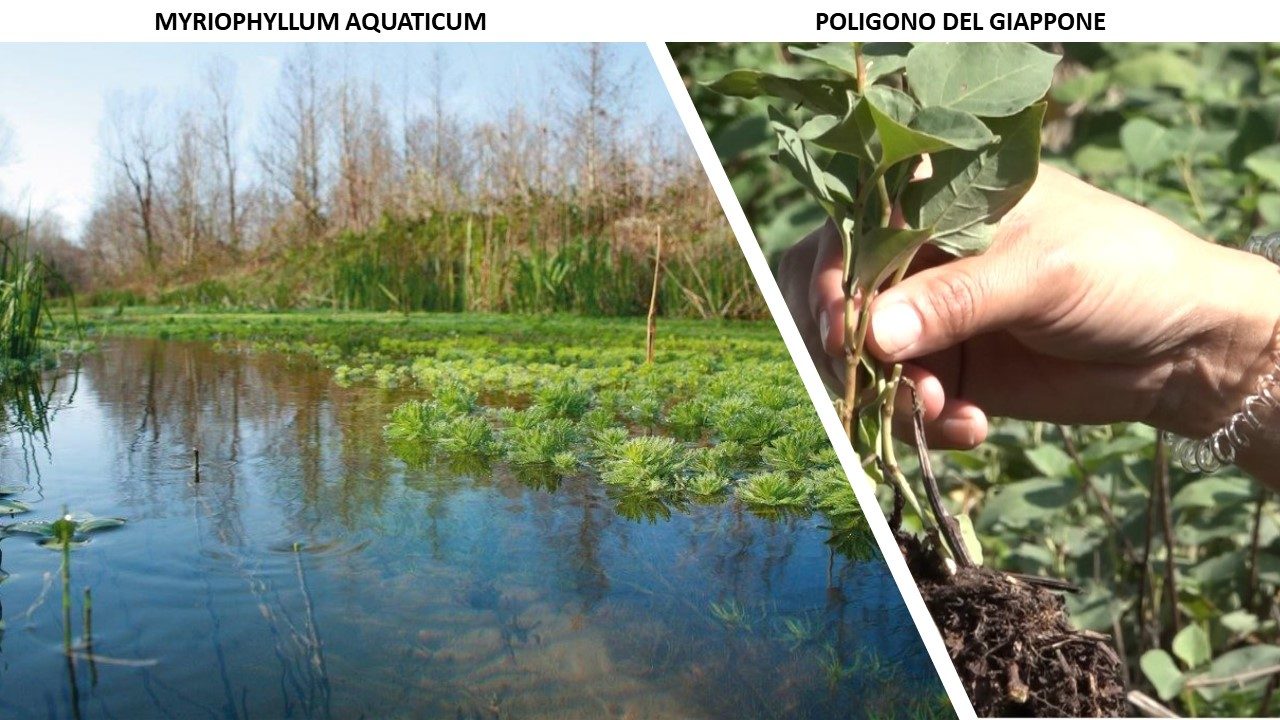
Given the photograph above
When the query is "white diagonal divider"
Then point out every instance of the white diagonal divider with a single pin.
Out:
(809, 374)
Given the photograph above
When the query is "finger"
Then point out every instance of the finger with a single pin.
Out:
(826, 291)
(794, 272)
(948, 304)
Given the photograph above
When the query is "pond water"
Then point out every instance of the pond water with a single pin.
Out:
(312, 574)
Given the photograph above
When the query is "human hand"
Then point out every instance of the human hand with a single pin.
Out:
(1087, 308)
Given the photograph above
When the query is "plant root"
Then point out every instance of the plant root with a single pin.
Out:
(1013, 646)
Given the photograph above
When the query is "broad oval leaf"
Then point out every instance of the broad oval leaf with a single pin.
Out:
(1147, 144)
(986, 79)
(970, 191)
(1234, 662)
(1051, 461)
(881, 251)
(1163, 673)
(1215, 492)
(1191, 645)
(1265, 163)
(904, 133)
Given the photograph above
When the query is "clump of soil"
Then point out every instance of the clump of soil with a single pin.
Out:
(1013, 646)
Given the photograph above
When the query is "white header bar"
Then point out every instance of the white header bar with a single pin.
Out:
(650, 20)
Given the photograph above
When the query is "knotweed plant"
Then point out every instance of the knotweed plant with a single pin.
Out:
(855, 136)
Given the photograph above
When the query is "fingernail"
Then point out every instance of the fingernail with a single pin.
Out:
(896, 328)
(824, 326)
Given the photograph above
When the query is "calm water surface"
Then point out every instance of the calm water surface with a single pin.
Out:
(312, 574)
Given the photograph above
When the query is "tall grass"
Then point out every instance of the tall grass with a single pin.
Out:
(469, 262)
(22, 300)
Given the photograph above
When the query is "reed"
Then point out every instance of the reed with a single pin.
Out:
(22, 300)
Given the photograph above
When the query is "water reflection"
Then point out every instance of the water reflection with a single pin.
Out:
(311, 574)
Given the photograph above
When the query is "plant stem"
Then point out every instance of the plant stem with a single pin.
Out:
(855, 333)
(1166, 512)
(891, 467)
(947, 525)
(1130, 554)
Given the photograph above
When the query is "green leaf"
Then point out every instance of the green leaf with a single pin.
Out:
(794, 157)
(1191, 645)
(1147, 144)
(1265, 163)
(13, 507)
(1215, 492)
(817, 94)
(970, 191)
(1269, 208)
(879, 59)
(932, 130)
(31, 527)
(849, 133)
(1163, 673)
(1051, 460)
(1158, 68)
(1237, 661)
(1240, 622)
(12, 489)
(970, 538)
(1020, 503)
(1082, 88)
(882, 250)
(88, 524)
(739, 83)
(1100, 160)
(986, 79)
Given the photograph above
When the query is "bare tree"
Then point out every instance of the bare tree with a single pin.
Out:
(598, 84)
(221, 136)
(293, 154)
(134, 148)
(184, 191)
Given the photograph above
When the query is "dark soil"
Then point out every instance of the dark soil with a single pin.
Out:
(1013, 646)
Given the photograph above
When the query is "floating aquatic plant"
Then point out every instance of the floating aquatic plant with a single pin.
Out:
(545, 442)
(417, 420)
(9, 506)
(687, 420)
(651, 463)
(791, 453)
(707, 484)
(773, 490)
(468, 435)
(607, 444)
(70, 530)
(565, 399)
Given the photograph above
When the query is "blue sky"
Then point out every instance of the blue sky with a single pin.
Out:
(52, 96)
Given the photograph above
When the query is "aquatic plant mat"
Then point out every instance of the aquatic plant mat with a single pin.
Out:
(1014, 646)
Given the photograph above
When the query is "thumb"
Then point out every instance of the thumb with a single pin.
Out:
(948, 304)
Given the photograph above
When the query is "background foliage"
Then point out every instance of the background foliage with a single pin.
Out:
(1192, 131)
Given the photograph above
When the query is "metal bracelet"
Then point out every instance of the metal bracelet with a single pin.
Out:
(1220, 448)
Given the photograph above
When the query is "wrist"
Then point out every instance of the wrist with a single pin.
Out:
(1233, 343)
